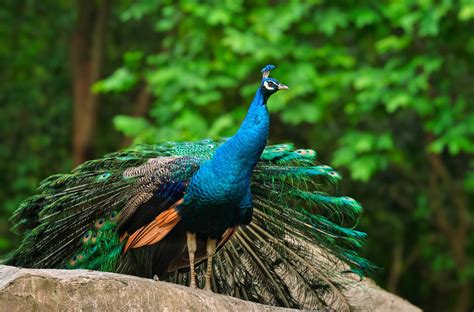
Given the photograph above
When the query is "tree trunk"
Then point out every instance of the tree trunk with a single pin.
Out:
(455, 228)
(142, 105)
(396, 269)
(87, 51)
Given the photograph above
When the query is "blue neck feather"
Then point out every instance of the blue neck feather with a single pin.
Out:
(238, 156)
(222, 184)
(218, 195)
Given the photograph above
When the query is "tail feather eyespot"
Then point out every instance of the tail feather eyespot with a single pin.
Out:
(103, 176)
(75, 260)
(86, 238)
(94, 238)
(72, 262)
(306, 152)
(99, 223)
(113, 216)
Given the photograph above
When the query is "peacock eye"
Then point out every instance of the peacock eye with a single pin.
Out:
(269, 85)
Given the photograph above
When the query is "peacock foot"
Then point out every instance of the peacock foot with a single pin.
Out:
(211, 250)
(192, 246)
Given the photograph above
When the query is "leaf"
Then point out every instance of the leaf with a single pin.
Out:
(469, 181)
(121, 80)
(304, 112)
(397, 101)
(429, 24)
(223, 126)
(364, 167)
(391, 44)
(329, 20)
(466, 12)
(364, 17)
(132, 59)
(130, 126)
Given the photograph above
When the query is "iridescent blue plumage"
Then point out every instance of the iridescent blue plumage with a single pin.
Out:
(220, 189)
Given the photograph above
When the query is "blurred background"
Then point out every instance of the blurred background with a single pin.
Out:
(383, 90)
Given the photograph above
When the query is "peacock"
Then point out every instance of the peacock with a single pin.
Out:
(234, 215)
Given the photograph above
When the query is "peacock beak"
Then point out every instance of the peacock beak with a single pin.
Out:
(282, 87)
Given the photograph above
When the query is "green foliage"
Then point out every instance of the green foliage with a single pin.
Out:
(382, 88)
(34, 102)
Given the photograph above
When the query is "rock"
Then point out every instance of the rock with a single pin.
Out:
(82, 290)
(367, 296)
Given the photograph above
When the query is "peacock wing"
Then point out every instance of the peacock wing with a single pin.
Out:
(77, 218)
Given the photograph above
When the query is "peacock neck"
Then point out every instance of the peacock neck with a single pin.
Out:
(257, 116)
(238, 156)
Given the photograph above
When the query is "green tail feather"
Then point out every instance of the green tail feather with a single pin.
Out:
(296, 252)
(292, 254)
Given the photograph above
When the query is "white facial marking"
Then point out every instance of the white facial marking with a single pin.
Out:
(267, 86)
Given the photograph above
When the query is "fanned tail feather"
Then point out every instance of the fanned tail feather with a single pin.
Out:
(68, 205)
(296, 252)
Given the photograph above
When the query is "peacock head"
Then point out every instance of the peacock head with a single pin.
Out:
(270, 85)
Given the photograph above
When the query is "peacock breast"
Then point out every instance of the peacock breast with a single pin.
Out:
(211, 204)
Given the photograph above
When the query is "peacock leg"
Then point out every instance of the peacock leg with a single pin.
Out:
(211, 250)
(192, 246)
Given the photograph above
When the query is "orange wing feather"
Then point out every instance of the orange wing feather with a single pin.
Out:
(155, 230)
